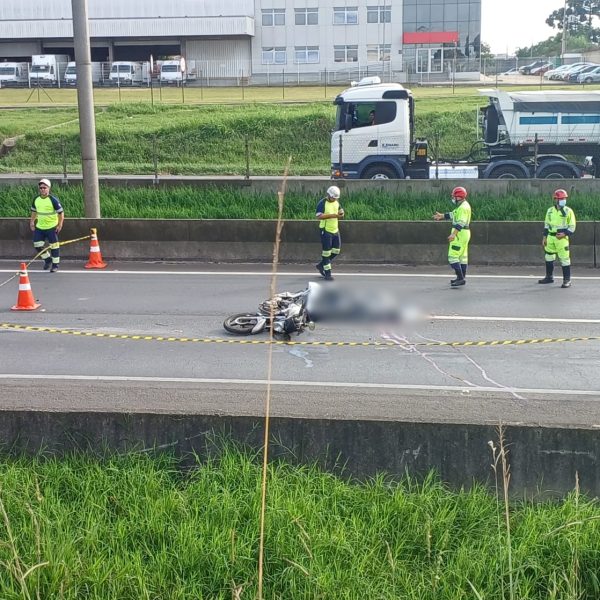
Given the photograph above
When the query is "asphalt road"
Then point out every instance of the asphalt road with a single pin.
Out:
(402, 374)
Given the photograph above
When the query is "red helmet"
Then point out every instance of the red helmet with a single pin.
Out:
(459, 192)
(560, 195)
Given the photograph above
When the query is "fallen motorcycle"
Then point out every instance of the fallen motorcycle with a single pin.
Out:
(287, 311)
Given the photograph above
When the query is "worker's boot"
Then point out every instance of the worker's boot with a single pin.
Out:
(549, 271)
(47, 263)
(460, 280)
(566, 277)
(319, 267)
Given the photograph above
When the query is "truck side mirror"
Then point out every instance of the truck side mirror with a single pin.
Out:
(348, 123)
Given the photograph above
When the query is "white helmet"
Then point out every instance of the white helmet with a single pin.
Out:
(333, 192)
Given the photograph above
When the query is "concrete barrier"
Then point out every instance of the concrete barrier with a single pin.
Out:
(385, 242)
(543, 461)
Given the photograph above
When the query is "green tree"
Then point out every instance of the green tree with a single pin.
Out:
(578, 19)
(485, 51)
(549, 47)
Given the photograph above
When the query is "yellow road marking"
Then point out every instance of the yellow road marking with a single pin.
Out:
(155, 338)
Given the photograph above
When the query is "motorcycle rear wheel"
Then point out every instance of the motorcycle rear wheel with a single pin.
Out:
(241, 324)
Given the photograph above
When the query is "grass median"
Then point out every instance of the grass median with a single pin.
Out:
(217, 202)
(211, 139)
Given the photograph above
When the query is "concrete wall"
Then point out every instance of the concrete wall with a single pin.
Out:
(388, 242)
(542, 460)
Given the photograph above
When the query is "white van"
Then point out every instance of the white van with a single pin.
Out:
(128, 73)
(47, 69)
(171, 72)
(13, 73)
(71, 73)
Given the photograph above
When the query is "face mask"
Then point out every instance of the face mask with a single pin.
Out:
(454, 201)
(562, 203)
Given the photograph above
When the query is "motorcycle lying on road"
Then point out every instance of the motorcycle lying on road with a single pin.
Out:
(294, 312)
(288, 312)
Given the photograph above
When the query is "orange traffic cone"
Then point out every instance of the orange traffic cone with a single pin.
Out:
(95, 261)
(25, 299)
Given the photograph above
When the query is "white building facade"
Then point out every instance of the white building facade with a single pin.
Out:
(261, 41)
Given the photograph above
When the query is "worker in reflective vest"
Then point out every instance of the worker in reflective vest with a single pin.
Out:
(460, 235)
(47, 217)
(559, 225)
(329, 211)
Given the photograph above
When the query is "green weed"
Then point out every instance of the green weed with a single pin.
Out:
(229, 202)
(144, 526)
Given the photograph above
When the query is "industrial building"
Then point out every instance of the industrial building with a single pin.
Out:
(262, 41)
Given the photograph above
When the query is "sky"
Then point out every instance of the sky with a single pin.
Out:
(510, 24)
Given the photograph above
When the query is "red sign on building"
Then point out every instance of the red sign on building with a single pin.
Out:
(430, 37)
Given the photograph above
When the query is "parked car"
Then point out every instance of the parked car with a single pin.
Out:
(513, 71)
(525, 70)
(592, 76)
(575, 68)
(541, 69)
(558, 72)
(573, 76)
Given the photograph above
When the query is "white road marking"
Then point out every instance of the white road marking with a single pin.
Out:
(323, 384)
(310, 275)
(510, 319)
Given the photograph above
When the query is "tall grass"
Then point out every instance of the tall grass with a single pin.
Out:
(222, 202)
(142, 526)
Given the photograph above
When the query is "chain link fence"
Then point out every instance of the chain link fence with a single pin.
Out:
(242, 73)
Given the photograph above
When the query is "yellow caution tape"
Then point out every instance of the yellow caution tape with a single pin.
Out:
(85, 237)
(160, 338)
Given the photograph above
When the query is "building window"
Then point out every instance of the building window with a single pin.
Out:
(379, 14)
(378, 52)
(346, 15)
(273, 16)
(345, 53)
(274, 56)
(307, 54)
(307, 16)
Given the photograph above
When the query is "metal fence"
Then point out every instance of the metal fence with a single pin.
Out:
(242, 73)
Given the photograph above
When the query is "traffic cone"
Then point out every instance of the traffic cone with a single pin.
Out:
(95, 261)
(25, 299)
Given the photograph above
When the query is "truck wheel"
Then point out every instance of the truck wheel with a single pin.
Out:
(557, 172)
(379, 172)
(507, 172)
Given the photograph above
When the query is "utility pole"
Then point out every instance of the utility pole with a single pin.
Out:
(563, 49)
(85, 102)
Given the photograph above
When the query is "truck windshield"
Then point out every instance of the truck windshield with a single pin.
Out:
(40, 68)
(7, 70)
(170, 68)
(71, 71)
(364, 114)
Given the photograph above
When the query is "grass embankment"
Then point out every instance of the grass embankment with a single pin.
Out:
(141, 527)
(211, 139)
(232, 203)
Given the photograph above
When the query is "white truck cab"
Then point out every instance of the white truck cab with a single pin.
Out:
(525, 134)
(171, 72)
(128, 73)
(13, 73)
(47, 69)
(71, 74)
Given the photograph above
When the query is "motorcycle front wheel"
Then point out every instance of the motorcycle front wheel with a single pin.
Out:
(242, 324)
